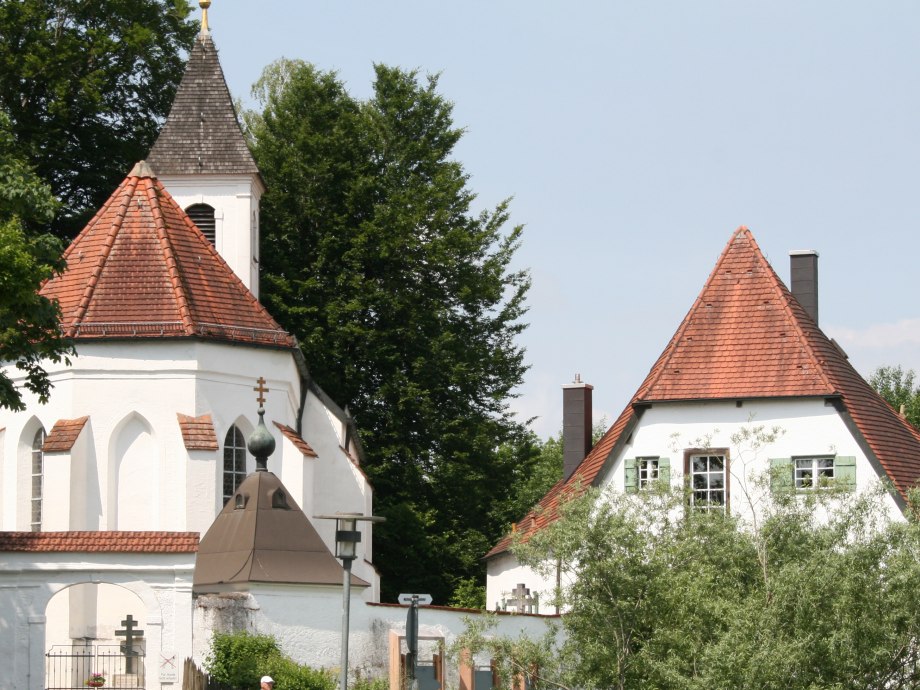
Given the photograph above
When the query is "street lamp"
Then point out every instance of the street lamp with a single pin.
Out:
(347, 537)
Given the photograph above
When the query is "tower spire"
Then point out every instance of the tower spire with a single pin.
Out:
(204, 5)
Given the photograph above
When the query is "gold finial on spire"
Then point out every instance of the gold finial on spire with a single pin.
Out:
(204, 5)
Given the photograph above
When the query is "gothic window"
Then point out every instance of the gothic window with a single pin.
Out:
(38, 458)
(202, 215)
(234, 461)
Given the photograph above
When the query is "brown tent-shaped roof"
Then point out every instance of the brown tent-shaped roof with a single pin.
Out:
(262, 536)
(747, 337)
(141, 269)
(202, 135)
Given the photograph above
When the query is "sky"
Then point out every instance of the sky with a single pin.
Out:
(635, 137)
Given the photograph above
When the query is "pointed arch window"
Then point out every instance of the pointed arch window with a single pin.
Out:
(38, 462)
(202, 215)
(234, 461)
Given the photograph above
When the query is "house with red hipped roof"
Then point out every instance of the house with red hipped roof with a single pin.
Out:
(748, 354)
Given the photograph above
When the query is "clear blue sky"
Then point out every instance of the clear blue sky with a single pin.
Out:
(635, 137)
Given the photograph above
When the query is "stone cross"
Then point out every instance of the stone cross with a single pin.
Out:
(131, 635)
(520, 594)
(261, 390)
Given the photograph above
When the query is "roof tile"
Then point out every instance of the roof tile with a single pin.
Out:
(141, 269)
(297, 440)
(198, 432)
(100, 542)
(63, 435)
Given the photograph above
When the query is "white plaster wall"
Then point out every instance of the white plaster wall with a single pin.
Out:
(807, 426)
(307, 622)
(235, 200)
(29, 582)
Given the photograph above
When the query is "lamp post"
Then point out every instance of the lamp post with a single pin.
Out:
(347, 537)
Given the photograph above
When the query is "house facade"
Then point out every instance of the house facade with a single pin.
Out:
(749, 396)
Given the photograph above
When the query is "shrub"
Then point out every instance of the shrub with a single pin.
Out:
(239, 659)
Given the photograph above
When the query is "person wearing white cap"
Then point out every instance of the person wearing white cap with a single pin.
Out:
(267, 683)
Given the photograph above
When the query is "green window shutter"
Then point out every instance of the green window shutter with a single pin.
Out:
(630, 476)
(781, 476)
(664, 471)
(845, 472)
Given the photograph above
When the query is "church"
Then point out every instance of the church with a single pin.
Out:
(108, 492)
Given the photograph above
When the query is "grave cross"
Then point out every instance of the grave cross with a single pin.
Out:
(261, 390)
(520, 594)
(131, 635)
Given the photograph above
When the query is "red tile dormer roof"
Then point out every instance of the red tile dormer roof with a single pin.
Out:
(747, 337)
(63, 435)
(141, 269)
(100, 542)
(297, 440)
(197, 432)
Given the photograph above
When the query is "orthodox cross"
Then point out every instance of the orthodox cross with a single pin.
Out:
(261, 390)
(131, 635)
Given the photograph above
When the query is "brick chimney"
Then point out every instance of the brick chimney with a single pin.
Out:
(803, 275)
(576, 425)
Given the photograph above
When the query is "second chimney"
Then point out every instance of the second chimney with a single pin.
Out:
(576, 425)
(803, 275)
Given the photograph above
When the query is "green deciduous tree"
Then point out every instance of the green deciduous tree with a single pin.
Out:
(898, 388)
(86, 85)
(403, 300)
(29, 330)
(823, 593)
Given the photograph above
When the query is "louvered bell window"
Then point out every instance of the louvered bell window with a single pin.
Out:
(202, 215)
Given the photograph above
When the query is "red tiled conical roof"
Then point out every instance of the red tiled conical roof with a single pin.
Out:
(141, 269)
(747, 337)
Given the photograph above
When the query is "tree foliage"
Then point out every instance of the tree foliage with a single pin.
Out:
(240, 659)
(86, 85)
(404, 302)
(823, 593)
(29, 330)
(898, 387)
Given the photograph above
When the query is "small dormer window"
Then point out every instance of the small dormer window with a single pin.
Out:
(202, 215)
(239, 502)
(279, 500)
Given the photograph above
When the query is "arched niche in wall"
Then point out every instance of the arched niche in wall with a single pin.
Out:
(134, 476)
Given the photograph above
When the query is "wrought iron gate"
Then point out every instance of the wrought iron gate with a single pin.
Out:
(72, 667)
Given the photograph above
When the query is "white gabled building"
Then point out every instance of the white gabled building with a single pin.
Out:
(749, 353)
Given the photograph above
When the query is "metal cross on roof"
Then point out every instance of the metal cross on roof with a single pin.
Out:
(262, 390)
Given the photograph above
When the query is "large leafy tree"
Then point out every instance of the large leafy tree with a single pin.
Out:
(823, 593)
(86, 85)
(404, 301)
(899, 388)
(29, 332)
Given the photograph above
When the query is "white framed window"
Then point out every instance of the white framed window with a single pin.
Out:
(234, 461)
(641, 474)
(813, 473)
(648, 472)
(707, 474)
(38, 463)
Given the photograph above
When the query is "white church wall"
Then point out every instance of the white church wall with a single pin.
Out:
(307, 622)
(236, 204)
(29, 583)
(135, 462)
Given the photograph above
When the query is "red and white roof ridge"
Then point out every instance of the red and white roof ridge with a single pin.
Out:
(723, 372)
